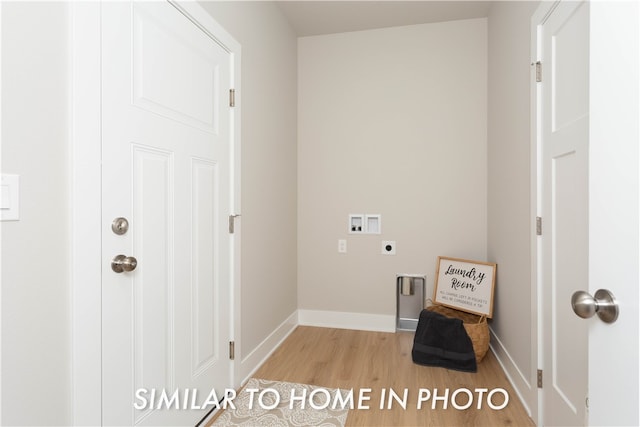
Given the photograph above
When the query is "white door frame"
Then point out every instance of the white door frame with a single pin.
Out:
(0, 232)
(85, 199)
(538, 18)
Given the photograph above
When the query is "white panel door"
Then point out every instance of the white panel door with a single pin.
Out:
(614, 210)
(565, 203)
(166, 168)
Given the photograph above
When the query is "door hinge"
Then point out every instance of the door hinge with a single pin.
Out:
(539, 378)
(232, 223)
(232, 97)
(232, 350)
(538, 226)
(538, 72)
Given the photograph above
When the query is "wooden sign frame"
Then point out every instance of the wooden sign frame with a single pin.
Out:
(465, 285)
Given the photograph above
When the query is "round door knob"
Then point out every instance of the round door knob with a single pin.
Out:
(584, 305)
(122, 263)
(603, 303)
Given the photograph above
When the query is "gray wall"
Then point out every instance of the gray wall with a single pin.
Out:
(509, 191)
(391, 122)
(269, 158)
(36, 306)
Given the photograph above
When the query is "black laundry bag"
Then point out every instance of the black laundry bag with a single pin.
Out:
(442, 341)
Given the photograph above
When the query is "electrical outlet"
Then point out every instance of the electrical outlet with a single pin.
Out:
(342, 246)
(388, 247)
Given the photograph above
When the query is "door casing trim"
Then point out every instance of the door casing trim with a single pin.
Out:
(539, 17)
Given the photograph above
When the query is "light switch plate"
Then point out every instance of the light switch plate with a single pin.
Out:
(342, 246)
(10, 197)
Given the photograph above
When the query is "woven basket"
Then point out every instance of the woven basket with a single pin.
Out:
(475, 325)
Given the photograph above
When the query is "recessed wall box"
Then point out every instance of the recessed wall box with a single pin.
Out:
(365, 224)
(356, 223)
(410, 293)
(373, 224)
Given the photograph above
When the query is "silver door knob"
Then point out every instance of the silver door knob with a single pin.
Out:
(120, 226)
(603, 303)
(122, 263)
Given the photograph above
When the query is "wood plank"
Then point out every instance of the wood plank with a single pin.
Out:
(341, 358)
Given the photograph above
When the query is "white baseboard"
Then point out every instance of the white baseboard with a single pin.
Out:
(250, 364)
(344, 320)
(515, 376)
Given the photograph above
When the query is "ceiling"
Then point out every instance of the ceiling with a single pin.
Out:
(311, 18)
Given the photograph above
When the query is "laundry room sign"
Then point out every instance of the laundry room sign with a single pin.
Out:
(465, 285)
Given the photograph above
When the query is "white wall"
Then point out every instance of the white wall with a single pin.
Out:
(509, 209)
(391, 122)
(36, 333)
(269, 157)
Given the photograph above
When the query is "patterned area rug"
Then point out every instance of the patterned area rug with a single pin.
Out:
(268, 403)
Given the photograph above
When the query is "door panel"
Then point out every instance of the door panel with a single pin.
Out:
(203, 208)
(194, 89)
(153, 284)
(570, 64)
(565, 243)
(569, 273)
(166, 154)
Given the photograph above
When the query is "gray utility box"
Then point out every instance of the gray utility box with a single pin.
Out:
(410, 291)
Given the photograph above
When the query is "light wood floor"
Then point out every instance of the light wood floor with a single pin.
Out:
(339, 358)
